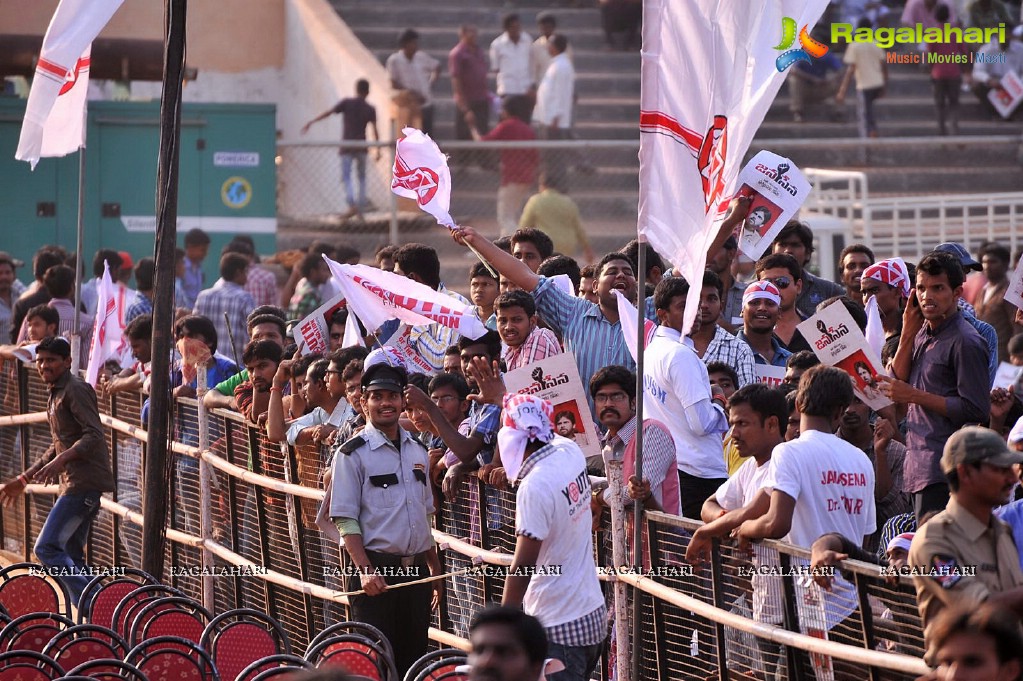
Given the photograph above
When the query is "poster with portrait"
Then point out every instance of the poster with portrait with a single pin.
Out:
(1008, 95)
(556, 379)
(312, 334)
(837, 341)
(777, 189)
(1014, 294)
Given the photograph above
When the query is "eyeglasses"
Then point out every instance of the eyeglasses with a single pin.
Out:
(781, 282)
(443, 398)
(606, 398)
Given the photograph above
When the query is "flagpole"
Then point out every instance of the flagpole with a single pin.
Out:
(76, 330)
(637, 507)
(155, 492)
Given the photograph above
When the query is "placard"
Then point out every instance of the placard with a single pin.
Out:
(1014, 294)
(313, 333)
(778, 189)
(1006, 375)
(837, 341)
(1007, 96)
(556, 379)
(769, 374)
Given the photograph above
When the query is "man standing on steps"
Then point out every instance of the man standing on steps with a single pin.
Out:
(77, 457)
(467, 64)
(509, 59)
(413, 73)
(555, 95)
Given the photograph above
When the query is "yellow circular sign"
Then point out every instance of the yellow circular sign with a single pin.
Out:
(236, 192)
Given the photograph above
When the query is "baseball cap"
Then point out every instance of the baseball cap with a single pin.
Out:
(126, 262)
(386, 377)
(960, 252)
(974, 444)
(11, 260)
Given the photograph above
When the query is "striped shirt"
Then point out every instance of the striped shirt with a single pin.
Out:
(540, 344)
(226, 296)
(725, 347)
(262, 284)
(141, 306)
(595, 341)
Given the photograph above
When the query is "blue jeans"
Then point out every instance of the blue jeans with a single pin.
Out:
(61, 543)
(359, 160)
(865, 110)
(580, 661)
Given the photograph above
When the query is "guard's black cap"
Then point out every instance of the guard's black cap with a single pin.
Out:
(384, 377)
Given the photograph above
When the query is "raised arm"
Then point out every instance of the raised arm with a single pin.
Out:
(505, 263)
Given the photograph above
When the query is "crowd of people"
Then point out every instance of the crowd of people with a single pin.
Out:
(954, 67)
(919, 483)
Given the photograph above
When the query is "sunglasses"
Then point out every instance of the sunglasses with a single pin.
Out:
(781, 282)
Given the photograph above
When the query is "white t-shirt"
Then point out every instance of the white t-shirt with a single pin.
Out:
(511, 61)
(676, 378)
(868, 59)
(736, 492)
(413, 74)
(552, 505)
(833, 485)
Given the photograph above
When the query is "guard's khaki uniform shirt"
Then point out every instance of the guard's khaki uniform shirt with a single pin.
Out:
(967, 562)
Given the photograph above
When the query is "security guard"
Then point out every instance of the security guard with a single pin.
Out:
(382, 505)
(964, 555)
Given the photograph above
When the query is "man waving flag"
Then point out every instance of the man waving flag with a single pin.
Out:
(711, 69)
(55, 114)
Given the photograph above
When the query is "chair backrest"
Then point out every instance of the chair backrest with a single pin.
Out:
(130, 580)
(169, 616)
(32, 631)
(108, 670)
(103, 594)
(453, 656)
(355, 654)
(357, 628)
(444, 670)
(83, 643)
(237, 638)
(24, 590)
(171, 657)
(26, 665)
(268, 667)
(121, 619)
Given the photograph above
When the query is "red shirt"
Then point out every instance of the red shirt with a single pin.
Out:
(518, 166)
(946, 71)
(469, 66)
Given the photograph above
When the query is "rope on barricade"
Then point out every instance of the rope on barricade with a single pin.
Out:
(871, 658)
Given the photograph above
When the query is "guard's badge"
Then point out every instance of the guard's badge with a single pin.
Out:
(945, 571)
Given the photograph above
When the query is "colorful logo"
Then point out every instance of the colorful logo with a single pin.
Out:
(808, 46)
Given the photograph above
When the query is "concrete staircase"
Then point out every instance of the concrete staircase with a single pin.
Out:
(608, 87)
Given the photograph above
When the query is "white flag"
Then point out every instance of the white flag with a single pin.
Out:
(421, 172)
(108, 340)
(55, 113)
(711, 69)
(628, 316)
(371, 294)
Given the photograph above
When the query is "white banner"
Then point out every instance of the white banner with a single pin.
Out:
(55, 113)
(628, 316)
(371, 294)
(108, 340)
(711, 69)
(777, 189)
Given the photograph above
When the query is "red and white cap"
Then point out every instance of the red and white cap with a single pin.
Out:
(893, 272)
(761, 289)
(525, 418)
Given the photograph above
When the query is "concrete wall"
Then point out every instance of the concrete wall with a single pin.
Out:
(228, 36)
(322, 61)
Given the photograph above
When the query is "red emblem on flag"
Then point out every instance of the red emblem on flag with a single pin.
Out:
(423, 181)
(710, 150)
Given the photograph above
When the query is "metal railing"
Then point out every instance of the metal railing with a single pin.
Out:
(252, 505)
